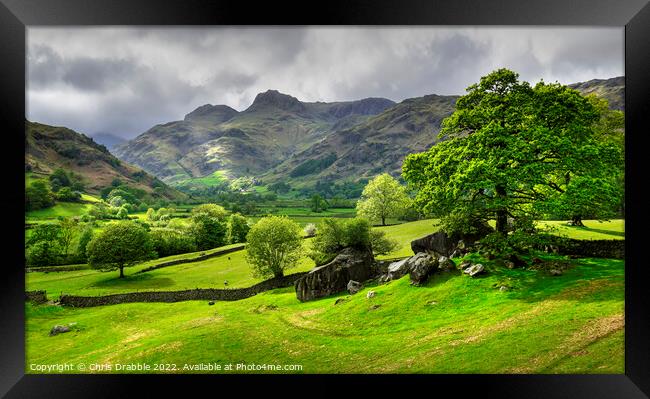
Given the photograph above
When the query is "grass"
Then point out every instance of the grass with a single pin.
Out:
(63, 209)
(454, 324)
(593, 230)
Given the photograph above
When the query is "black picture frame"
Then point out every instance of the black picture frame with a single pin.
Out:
(634, 15)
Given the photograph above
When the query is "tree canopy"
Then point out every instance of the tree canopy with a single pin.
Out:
(382, 198)
(119, 245)
(274, 244)
(510, 150)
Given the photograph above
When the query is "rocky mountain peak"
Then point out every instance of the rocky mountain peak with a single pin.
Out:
(275, 99)
(213, 113)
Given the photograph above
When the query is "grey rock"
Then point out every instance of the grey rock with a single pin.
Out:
(465, 264)
(474, 270)
(555, 272)
(503, 288)
(349, 265)
(370, 294)
(446, 264)
(398, 269)
(58, 329)
(509, 264)
(455, 254)
(354, 286)
(441, 244)
(421, 266)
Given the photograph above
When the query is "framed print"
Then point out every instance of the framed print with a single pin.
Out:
(441, 193)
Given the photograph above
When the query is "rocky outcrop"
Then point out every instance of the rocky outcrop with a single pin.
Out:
(333, 277)
(443, 244)
(421, 266)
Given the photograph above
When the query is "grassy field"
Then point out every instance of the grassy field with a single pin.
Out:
(593, 230)
(210, 273)
(455, 324)
(64, 209)
(573, 323)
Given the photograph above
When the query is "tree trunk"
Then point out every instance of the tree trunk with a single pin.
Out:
(383, 221)
(278, 274)
(502, 214)
(121, 271)
(576, 220)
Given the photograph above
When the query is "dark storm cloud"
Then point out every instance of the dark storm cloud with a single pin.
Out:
(125, 80)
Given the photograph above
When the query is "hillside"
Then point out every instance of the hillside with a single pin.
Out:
(218, 138)
(49, 147)
(280, 138)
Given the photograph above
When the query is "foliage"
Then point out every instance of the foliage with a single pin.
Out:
(312, 166)
(209, 226)
(317, 203)
(66, 194)
(167, 241)
(280, 187)
(274, 245)
(382, 198)
(238, 228)
(509, 151)
(84, 238)
(336, 234)
(381, 244)
(38, 196)
(68, 228)
(119, 245)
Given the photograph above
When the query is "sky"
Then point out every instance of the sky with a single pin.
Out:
(124, 80)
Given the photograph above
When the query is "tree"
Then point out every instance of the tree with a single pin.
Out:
(318, 203)
(120, 245)
(168, 241)
(84, 238)
(237, 228)
(274, 245)
(68, 228)
(44, 245)
(38, 196)
(66, 194)
(209, 226)
(508, 149)
(383, 197)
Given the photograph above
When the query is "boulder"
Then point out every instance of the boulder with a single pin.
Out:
(333, 277)
(398, 269)
(473, 270)
(354, 287)
(465, 264)
(442, 244)
(509, 264)
(58, 329)
(439, 243)
(446, 264)
(370, 294)
(421, 266)
(555, 272)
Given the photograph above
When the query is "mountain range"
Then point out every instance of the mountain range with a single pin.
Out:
(280, 138)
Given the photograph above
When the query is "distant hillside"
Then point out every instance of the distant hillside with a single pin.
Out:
(218, 138)
(280, 138)
(49, 147)
(613, 90)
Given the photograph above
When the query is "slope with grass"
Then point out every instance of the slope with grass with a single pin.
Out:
(454, 324)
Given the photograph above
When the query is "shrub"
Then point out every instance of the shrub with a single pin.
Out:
(382, 245)
(38, 196)
(66, 194)
(336, 234)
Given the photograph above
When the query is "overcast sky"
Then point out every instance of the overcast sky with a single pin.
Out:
(123, 81)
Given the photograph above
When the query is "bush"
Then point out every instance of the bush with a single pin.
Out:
(38, 196)
(336, 234)
(66, 194)
(209, 226)
(382, 245)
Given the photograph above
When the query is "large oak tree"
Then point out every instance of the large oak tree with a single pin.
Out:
(510, 150)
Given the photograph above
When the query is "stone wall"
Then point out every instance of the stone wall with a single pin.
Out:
(190, 260)
(613, 249)
(233, 294)
(36, 296)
